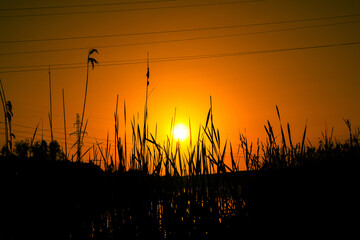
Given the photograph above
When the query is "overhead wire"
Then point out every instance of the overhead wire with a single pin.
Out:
(180, 40)
(196, 57)
(84, 5)
(47, 130)
(132, 9)
(70, 115)
(61, 139)
(183, 30)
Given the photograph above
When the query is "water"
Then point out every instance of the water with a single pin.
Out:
(81, 206)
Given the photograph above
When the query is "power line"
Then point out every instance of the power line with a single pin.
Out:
(176, 40)
(65, 64)
(42, 65)
(70, 115)
(196, 57)
(182, 30)
(28, 127)
(46, 130)
(83, 5)
(57, 138)
(132, 9)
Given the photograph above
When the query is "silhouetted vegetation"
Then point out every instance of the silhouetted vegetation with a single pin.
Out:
(8, 114)
(166, 194)
(40, 150)
(165, 191)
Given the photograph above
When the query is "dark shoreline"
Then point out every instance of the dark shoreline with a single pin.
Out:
(64, 200)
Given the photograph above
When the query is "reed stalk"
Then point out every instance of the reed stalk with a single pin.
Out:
(50, 114)
(63, 98)
(3, 100)
(93, 61)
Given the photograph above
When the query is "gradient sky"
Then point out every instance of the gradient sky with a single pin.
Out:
(249, 56)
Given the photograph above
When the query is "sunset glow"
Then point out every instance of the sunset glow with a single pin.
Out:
(181, 132)
(249, 56)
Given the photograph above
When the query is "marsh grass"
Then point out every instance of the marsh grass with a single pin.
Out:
(168, 191)
(8, 114)
(275, 155)
(194, 192)
(189, 187)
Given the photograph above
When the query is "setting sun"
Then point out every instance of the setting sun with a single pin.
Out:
(181, 132)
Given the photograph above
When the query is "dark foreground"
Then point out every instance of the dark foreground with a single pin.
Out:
(63, 200)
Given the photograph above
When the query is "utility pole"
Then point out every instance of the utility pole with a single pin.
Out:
(78, 133)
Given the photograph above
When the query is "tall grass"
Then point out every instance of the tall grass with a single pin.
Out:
(8, 114)
(275, 155)
(207, 154)
(82, 131)
(194, 188)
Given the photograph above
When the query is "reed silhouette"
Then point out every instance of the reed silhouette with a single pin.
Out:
(161, 191)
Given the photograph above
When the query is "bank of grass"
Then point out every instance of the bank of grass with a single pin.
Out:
(162, 191)
(207, 154)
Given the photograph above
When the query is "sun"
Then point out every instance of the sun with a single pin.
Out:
(181, 132)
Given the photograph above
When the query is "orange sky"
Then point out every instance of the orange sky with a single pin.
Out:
(278, 57)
